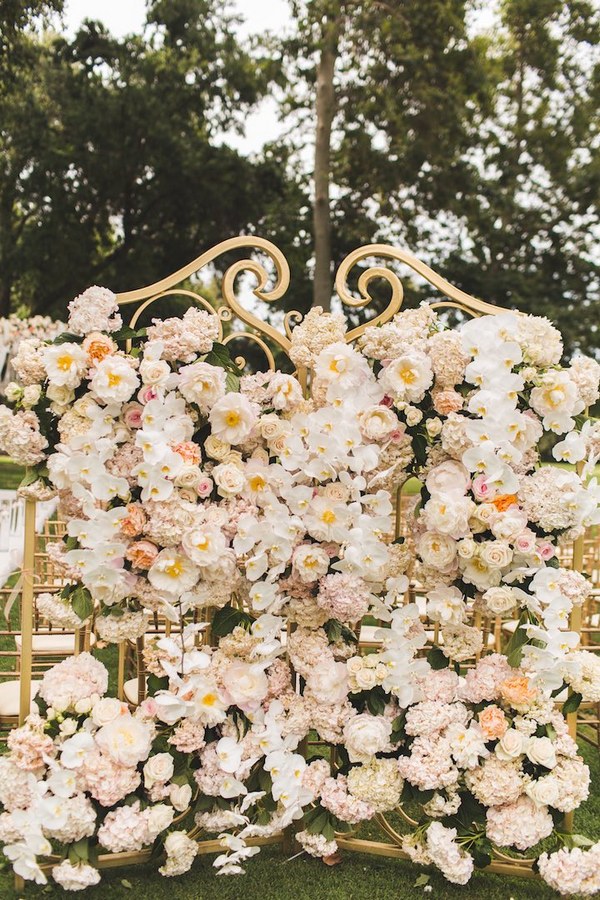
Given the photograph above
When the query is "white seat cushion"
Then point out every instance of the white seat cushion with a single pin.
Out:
(10, 693)
(53, 642)
(130, 690)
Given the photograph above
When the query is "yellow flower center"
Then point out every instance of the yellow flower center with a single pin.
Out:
(232, 418)
(174, 569)
(113, 380)
(328, 517)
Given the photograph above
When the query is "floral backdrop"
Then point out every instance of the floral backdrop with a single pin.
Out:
(241, 510)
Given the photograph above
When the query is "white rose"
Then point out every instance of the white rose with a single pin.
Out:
(467, 548)
(189, 477)
(180, 796)
(511, 745)
(160, 818)
(541, 752)
(155, 371)
(68, 727)
(499, 600)
(60, 393)
(159, 768)
(545, 791)
(354, 664)
(229, 478)
(437, 550)
(450, 477)
(366, 678)
(126, 740)
(215, 448)
(413, 415)
(433, 427)
(202, 384)
(31, 394)
(365, 735)
(496, 554)
(378, 422)
(83, 706)
(106, 710)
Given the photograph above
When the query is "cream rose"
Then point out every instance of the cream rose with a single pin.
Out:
(511, 745)
(499, 600)
(365, 735)
(437, 550)
(160, 817)
(229, 478)
(496, 554)
(215, 448)
(377, 423)
(107, 710)
(158, 769)
(126, 740)
(180, 796)
(202, 384)
(541, 752)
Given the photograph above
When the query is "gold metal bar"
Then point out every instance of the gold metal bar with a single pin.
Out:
(27, 612)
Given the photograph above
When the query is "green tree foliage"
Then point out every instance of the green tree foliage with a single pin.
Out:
(115, 168)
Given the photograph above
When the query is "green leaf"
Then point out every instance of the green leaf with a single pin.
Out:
(126, 333)
(421, 881)
(514, 649)
(67, 338)
(232, 382)
(572, 703)
(71, 543)
(82, 603)
(437, 659)
(30, 477)
(155, 684)
(220, 356)
(333, 630)
(126, 884)
(227, 618)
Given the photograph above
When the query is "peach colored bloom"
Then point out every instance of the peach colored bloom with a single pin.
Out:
(189, 452)
(504, 501)
(142, 554)
(518, 692)
(98, 346)
(446, 402)
(134, 521)
(492, 722)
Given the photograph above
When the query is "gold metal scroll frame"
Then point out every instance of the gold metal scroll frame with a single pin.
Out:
(269, 339)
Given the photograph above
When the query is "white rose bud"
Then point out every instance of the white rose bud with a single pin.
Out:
(68, 727)
(180, 796)
(13, 392)
(31, 395)
(413, 415)
(366, 679)
(433, 427)
(84, 705)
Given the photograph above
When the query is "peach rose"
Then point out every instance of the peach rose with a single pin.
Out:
(189, 452)
(446, 402)
(492, 722)
(98, 346)
(134, 521)
(518, 692)
(142, 554)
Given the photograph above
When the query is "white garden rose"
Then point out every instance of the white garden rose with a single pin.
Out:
(115, 379)
(545, 791)
(500, 600)
(65, 364)
(450, 477)
(408, 377)
(511, 745)
(496, 554)
(180, 796)
(437, 550)
(159, 768)
(160, 817)
(310, 562)
(107, 709)
(31, 395)
(365, 735)
(202, 384)
(155, 372)
(173, 572)
(229, 478)
(541, 751)
(377, 423)
(126, 740)
(232, 418)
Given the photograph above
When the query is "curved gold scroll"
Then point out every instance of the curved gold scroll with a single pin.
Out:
(459, 298)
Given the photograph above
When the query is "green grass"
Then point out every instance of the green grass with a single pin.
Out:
(10, 474)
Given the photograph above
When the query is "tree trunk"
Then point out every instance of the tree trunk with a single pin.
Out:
(325, 111)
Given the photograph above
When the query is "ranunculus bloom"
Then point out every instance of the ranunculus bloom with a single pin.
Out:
(134, 521)
(142, 554)
(518, 692)
(189, 452)
(492, 722)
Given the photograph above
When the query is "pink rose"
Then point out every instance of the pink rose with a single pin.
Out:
(481, 489)
(204, 487)
(525, 542)
(387, 401)
(147, 393)
(546, 550)
(132, 415)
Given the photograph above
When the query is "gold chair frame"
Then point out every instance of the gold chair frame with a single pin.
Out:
(270, 340)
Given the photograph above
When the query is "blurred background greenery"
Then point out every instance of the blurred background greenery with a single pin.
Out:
(473, 145)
